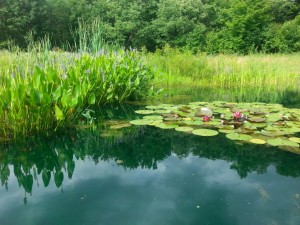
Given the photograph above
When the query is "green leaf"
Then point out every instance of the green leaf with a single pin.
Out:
(27, 183)
(46, 176)
(58, 113)
(70, 169)
(137, 81)
(239, 137)
(282, 142)
(56, 94)
(73, 102)
(144, 112)
(205, 132)
(92, 99)
(58, 178)
(184, 129)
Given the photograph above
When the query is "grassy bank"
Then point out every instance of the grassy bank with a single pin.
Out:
(42, 91)
(178, 68)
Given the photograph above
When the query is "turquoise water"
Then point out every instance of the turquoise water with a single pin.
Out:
(144, 176)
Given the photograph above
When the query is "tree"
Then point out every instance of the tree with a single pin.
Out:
(179, 22)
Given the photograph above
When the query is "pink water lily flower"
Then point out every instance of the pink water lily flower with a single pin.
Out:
(206, 119)
(237, 115)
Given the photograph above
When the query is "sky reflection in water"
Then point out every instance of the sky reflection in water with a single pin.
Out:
(180, 191)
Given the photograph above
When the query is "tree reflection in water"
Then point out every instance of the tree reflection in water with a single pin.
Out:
(52, 159)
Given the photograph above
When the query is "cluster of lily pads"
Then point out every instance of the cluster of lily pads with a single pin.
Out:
(257, 123)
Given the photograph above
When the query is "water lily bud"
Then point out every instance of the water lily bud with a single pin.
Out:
(206, 119)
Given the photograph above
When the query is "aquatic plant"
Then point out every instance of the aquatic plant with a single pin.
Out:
(260, 123)
(41, 97)
(206, 118)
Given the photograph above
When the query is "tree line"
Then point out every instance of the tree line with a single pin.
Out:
(213, 26)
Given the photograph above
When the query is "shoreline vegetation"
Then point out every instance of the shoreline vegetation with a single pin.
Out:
(177, 67)
(43, 91)
(44, 88)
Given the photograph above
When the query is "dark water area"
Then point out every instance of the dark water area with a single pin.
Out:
(146, 175)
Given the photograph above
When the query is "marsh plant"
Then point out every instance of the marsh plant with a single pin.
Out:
(47, 94)
(176, 67)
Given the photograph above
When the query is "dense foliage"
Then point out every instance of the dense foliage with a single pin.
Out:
(58, 92)
(215, 26)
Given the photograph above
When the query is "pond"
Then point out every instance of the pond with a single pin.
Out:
(146, 175)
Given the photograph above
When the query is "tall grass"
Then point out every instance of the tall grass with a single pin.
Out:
(177, 68)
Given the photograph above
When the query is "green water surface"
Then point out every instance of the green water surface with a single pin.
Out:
(146, 175)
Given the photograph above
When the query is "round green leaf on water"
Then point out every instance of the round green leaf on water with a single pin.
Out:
(226, 131)
(144, 112)
(154, 122)
(273, 117)
(166, 126)
(256, 119)
(162, 111)
(153, 107)
(139, 122)
(184, 129)
(238, 137)
(282, 142)
(274, 133)
(205, 132)
(295, 139)
(257, 141)
(193, 122)
(154, 117)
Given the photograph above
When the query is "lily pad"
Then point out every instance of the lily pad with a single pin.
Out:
(153, 117)
(193, 122)
(257, 141)
(162, 111)
(139, 122)
(153, 107)
(261, 123)
(274, 133)
(273, 117)
(226, 131)
(238, 137)
(257, 119)
(166, 126)
(282, 142)
(144, 112)
(295, 139)
(184, 129)
(172, 118)
(205, 132)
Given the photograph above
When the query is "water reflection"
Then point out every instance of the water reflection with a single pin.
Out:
(55, 159)
(145, 176)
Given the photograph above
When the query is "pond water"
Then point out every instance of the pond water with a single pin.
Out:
(145, 175)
